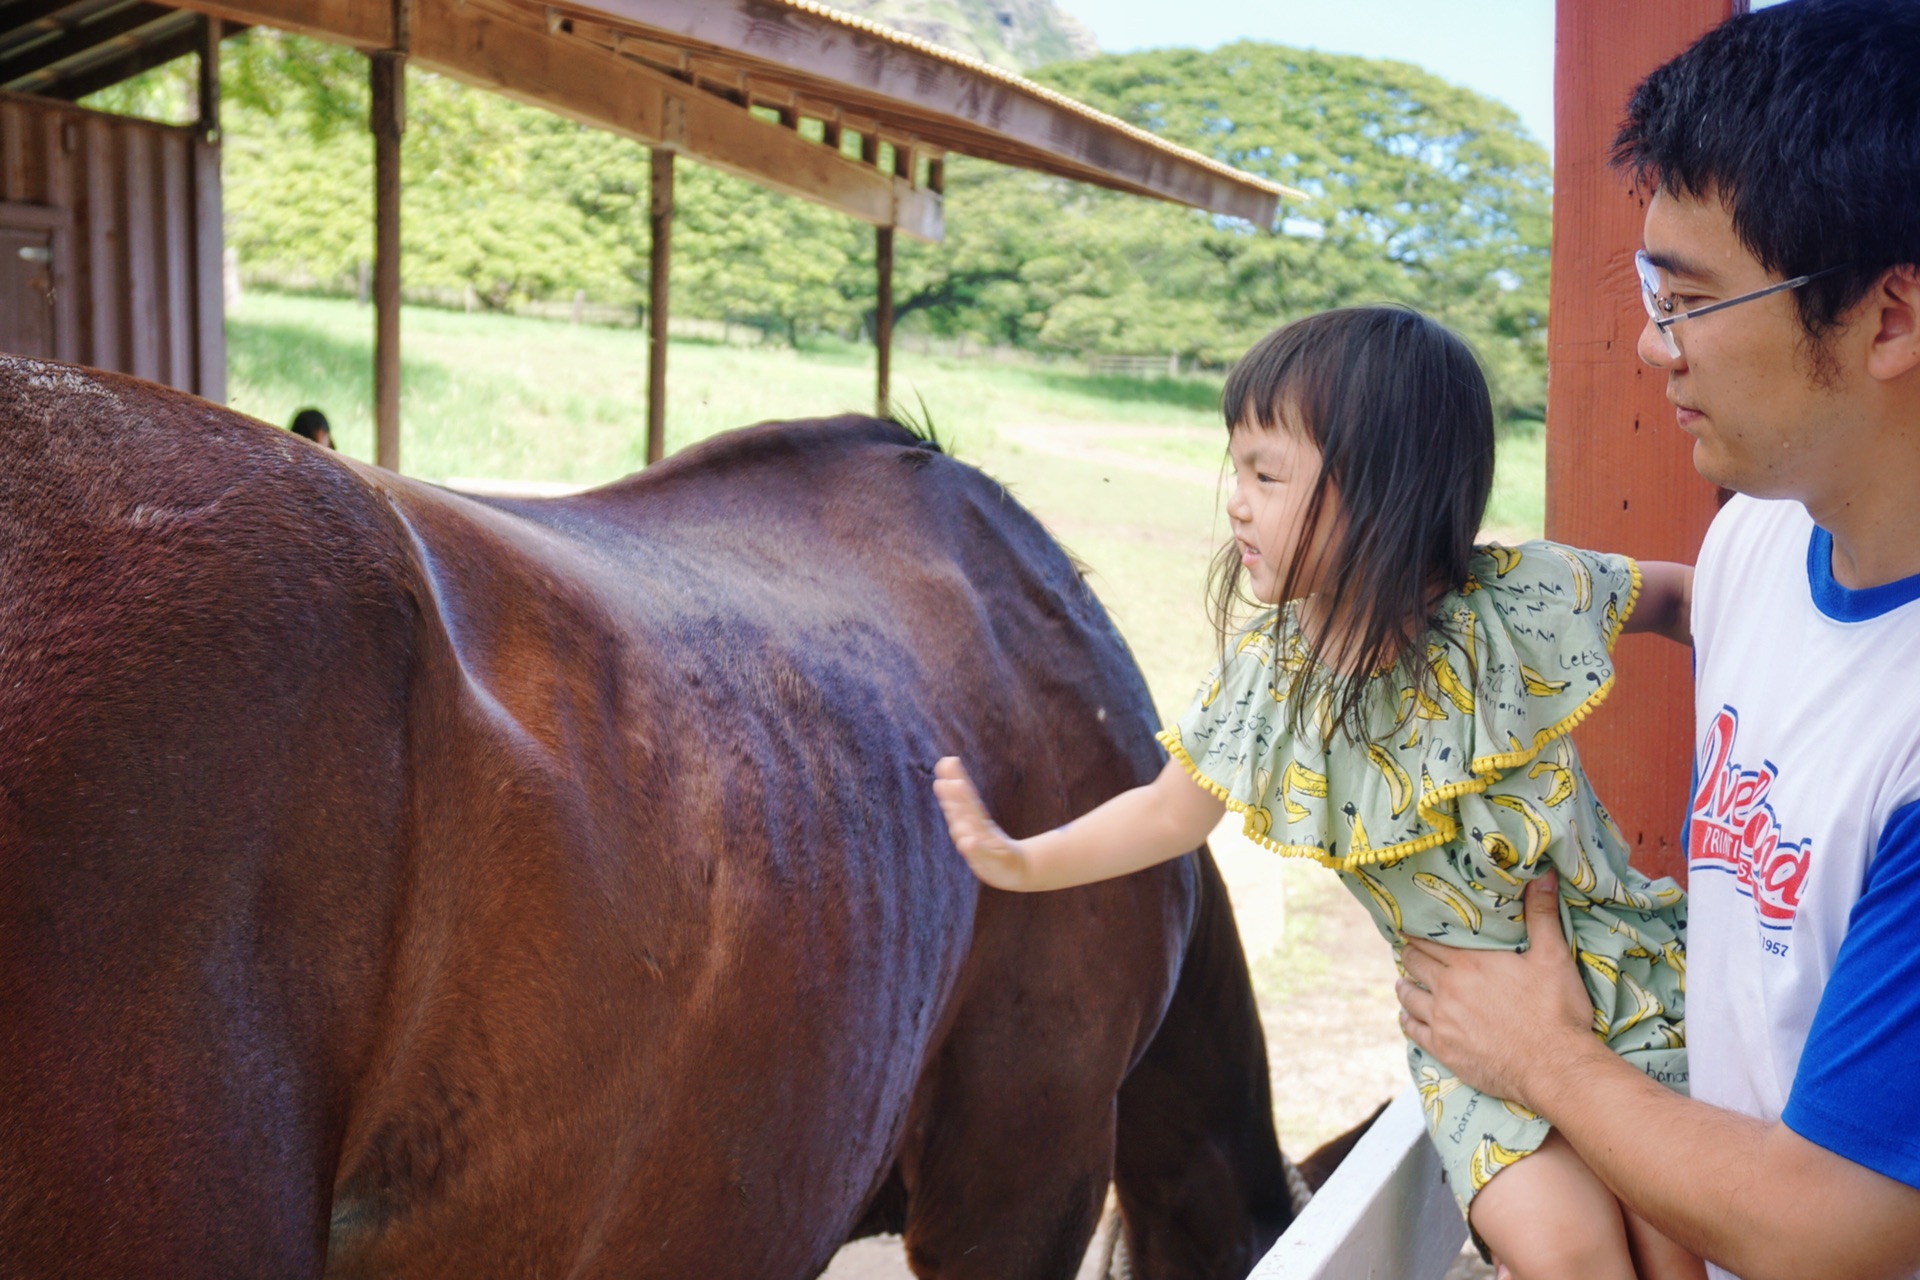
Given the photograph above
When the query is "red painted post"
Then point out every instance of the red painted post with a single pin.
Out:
(1620, 475)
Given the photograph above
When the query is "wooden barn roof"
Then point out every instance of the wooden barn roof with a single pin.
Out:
(729, 83)
(70, 48)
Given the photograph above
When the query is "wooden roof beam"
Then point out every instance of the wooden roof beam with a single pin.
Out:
(29, 20)
(79, 81)
(24, 71)
(603, 89)
(514, 55)
(950, 101)
(783, 36)
(365, 26)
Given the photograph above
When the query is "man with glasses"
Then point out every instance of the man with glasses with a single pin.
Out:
(1783, 296)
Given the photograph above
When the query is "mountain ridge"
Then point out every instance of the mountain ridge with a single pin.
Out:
(1017, 35)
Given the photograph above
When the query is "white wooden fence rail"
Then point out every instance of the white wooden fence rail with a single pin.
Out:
(1383, 1215)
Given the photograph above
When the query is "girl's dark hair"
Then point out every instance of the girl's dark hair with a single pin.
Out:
(1400, 411)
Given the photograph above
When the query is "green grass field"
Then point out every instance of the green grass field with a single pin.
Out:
(520, 399)
(512, 398)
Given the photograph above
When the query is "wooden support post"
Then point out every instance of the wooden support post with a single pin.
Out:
(883, 321)
(212, 30)
(388, 118)
(389, 122)
(209, 377)
(1619, 471)
(661, 210)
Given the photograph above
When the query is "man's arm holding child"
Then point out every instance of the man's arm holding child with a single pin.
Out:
(1150, 824)
(1756, 1198)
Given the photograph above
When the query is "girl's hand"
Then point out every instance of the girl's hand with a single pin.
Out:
(997, 858)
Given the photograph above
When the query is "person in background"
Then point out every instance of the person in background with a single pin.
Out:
(312, 424)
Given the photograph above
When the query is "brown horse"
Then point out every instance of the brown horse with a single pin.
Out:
(398, 884)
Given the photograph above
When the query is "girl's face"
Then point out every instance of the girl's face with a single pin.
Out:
(1274, 472)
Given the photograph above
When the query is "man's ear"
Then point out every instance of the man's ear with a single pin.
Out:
(1895, 300)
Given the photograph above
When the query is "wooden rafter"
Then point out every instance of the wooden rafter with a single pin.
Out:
(943, 97)
(510, 50)
(684, 75)
(34, 67)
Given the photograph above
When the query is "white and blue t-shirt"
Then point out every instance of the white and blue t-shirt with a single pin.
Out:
(1803, 841)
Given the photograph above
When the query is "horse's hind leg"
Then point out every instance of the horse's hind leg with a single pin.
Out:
(1008, 1148)
(1200, 1178)
(1006, 1173)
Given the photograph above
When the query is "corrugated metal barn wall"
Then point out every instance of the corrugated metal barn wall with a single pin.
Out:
(112, 234)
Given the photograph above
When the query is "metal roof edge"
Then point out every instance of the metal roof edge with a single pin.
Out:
(965, 62)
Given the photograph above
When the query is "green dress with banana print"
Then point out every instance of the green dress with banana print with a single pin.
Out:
(1467, 788)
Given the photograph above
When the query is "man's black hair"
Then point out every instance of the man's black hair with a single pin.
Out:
(1804, 118)
(310, 423)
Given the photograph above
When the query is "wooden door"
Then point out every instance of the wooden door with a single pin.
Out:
(26, 291)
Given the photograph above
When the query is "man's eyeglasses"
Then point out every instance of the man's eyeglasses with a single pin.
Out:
(1660, 307)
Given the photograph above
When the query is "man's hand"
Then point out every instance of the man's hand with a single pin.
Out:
(1756, 1198)
(1497, 1018)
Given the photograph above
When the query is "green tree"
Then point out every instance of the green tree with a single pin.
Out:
(1421, 192)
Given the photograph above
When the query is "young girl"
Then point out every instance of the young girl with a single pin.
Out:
(1402, 717)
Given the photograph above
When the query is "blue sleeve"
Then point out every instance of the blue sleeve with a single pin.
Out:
(1854, 1091)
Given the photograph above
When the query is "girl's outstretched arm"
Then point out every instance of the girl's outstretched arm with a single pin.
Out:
(1666, 601)
(1168, 817)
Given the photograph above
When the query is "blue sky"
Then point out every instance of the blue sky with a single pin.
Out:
(1501, 48)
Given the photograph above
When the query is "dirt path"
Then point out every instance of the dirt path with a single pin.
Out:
(1089, 443)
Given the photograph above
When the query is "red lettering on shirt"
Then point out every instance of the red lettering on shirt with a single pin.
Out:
(1732, 828)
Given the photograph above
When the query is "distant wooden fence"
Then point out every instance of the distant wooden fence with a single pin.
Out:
(1383, 1215)
(1135, 366)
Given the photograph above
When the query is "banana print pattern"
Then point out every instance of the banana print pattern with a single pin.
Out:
(1490, 1158)
(1501, 855)
(1305, 781)
(1463, 907)
(1449, 680)
(1399, 785)
(1385, 904)
(1582, 578)
(1464, 786)
(1539, 830)
(1434, 1086)
(1557, 764)
(1538, 685)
